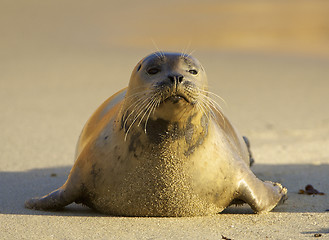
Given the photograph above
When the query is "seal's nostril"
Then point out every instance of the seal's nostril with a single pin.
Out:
(171, 78)
(176, 78)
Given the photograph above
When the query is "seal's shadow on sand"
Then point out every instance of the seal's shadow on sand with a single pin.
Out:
(16, 187)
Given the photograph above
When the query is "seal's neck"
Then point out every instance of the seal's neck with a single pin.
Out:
(189, 132)
(169, 124)
(183, 134)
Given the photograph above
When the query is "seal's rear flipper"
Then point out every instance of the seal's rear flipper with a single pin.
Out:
(251, 159)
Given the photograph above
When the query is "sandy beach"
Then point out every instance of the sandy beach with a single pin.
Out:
(60, 60)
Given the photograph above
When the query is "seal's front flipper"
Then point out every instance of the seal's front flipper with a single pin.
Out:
(261, 196)
(55, 200)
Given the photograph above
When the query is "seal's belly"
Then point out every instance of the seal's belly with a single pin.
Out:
(159, 199)
(166, 187)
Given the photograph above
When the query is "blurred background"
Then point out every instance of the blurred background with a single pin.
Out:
(294, 26)
(59, 59)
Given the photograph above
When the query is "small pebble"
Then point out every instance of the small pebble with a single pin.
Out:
(310, 190)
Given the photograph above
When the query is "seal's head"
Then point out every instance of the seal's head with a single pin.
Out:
(169, 82)
(168, 90)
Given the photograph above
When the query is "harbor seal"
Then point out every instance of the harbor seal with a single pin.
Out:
(162, 147)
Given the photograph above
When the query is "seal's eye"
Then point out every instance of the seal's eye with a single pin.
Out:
(139, 67)
(194, 72)
(153, 71)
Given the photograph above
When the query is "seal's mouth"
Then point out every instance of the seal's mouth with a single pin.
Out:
(177, 98)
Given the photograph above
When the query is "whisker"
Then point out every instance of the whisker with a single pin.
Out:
(190, 54)
(202, 108)
(137, 94)
(212, 107)
(158, 53)
(136, 107)
(135, 103)
(140, 109)
(162, 54)
(185, 49)
(214, 94)
(147, 108)
(212, 101)
(202, 93)
(152, 109)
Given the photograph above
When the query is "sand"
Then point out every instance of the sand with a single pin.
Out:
(51, 80)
